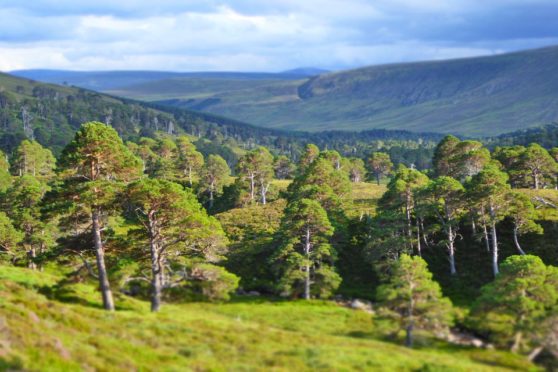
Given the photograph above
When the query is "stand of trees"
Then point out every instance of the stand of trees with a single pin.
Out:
(159, 219)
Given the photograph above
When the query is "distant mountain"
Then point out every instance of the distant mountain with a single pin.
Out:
(103, 81)
(481, 96)
(306, 71)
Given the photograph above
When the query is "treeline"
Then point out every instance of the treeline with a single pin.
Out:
(156, 219)
(50, 115)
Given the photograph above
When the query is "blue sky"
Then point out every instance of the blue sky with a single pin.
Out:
(273, 35)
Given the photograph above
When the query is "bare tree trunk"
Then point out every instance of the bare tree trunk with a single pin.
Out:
(307, 268)
(409, 335)
(535, 353)
(451, 248)
(104, 285)
(516, 241)
(190, 176)
(252, 187)
(419, 248)
(536, 180)
(516, 342)
(211, 187)
(408, 214)
(378, 178)
(495, 269)
(32, 253)
(156, 272)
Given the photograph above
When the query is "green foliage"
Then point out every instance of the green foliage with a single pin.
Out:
(413, 299)
(32, 158)
(512, 310)
(9, 236)
(380, 165)
(304, 257)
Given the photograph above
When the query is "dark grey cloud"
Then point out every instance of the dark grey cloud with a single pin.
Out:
(264, 35)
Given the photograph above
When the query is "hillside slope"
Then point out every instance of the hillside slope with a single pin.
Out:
(476, 96)
(48, 324)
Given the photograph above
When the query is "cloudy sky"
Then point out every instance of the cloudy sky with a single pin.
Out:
(263, 35)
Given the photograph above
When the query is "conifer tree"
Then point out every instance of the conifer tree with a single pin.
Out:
(413, 300)
(32, 158)
(304, 259)
(489, 190)
(380, 165)
(213, 174)
(522, 213)
(311, 152)
(514, 308)
(445, 197)
(173, 222)
(94, 162)
(190, 160)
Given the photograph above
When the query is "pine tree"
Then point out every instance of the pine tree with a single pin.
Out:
(413, 300)
(304, 259)
(256, 168)
(22, 203)
(190, 160)
(514, 308)
(32, 158)
(93, 164)
(488, 191)
(538, 163)
(213, 174)
(522, 213)
(445, 199)
(172, 223)
(380, 165)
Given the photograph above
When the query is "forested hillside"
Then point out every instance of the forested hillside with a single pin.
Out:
(52, 113)
(327, 247)
(483, 96)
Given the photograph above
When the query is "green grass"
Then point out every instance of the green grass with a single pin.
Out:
(40, 332)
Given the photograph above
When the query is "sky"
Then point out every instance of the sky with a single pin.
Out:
(264, 35)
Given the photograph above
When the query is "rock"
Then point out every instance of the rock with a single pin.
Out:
(363, 305)
(253, 293)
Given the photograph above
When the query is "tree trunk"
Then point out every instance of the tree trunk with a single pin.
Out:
(495, 269)
(32, 253)
(516, 241)
(473, 225)
(408, 214)
(419, 250)
(264, 189)
(378, 178)
(307, 268)
(451, 248)
(536, 180)
(486, 238)
(190, 176)
(104, 285)
(156, 272)
(516, 342)
(211, 187)
(409, 335)
(535, 353)
(252, 187)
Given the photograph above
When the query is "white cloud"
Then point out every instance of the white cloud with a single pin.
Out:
(255, 35)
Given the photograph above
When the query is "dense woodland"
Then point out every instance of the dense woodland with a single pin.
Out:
(459, 246)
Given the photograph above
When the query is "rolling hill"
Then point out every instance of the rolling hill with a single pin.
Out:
(481, 96)
(103, 81)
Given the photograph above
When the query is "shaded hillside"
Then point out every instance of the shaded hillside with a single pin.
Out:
(476, 96)
(51, 114)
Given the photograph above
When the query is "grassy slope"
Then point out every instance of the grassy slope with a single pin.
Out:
(477, 96)
(41, 332)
